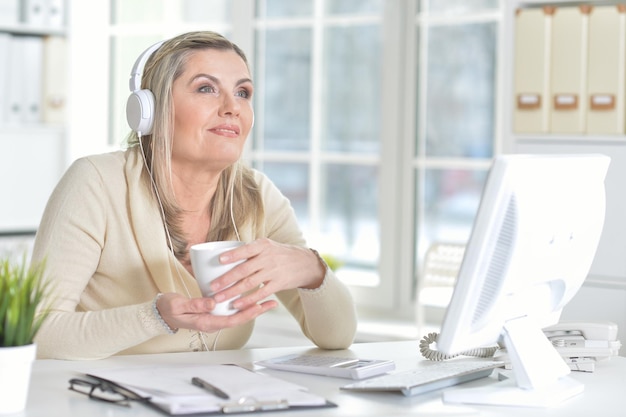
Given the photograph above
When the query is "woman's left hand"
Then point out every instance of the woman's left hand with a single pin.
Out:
(269, 267)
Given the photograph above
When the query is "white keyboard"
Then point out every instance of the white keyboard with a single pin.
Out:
(428, 376)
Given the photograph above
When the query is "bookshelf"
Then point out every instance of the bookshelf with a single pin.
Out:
(605, 287)
(33, 109)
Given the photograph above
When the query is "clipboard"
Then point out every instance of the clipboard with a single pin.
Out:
(170, 390)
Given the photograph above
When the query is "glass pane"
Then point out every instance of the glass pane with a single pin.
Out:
(450, 202)
(124, 52)
(136, 11)
(199, 11)
(150, 11)
(352, 73)
(451, 199)
(292, 179)
(357, 7)
(458, 6)
(286, 95)
(284, 8)
(349, 219)
(461, 91)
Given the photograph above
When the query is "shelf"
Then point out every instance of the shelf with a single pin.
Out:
(39, 128)
(572, 139)
(524, 3)
(22, 29)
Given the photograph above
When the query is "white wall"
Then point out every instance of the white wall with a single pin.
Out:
(89, 75)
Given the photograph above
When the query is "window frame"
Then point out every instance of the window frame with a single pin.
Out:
(387, 295)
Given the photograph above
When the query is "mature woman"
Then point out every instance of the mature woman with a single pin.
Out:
(118, 227)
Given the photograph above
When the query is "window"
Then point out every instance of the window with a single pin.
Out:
(318, 128)
(456, 116)
(323, 136)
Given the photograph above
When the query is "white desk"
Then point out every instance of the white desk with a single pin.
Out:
(605, 389)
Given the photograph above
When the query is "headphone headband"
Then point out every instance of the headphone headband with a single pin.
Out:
(140, 103)
(134, 82)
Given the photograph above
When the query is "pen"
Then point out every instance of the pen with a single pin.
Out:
(199, 382)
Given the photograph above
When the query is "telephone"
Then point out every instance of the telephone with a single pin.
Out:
(582, 344)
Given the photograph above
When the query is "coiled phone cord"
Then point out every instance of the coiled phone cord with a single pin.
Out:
(435, 355)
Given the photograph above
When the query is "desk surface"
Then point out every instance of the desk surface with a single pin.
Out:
(604, 393)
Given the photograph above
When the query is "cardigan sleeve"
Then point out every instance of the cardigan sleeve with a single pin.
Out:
(70, 239)
(326, 315)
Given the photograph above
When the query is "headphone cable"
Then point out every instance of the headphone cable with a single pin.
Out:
(169, 239)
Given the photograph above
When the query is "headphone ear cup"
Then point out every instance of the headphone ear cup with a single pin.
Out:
(140, 111)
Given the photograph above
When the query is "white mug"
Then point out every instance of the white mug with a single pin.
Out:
(207, 267)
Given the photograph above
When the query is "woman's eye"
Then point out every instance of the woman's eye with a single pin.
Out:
(206, 89)
(243, 94)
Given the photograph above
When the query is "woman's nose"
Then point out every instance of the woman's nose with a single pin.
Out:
(230, 106)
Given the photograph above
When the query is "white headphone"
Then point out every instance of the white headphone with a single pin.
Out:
(140, 103)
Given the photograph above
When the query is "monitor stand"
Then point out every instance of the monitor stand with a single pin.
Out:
(507, 393)
(539, 373)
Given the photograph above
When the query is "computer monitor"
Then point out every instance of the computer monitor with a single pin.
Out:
(532, 244)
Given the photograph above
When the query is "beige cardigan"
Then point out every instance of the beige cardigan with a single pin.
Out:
(106, 253)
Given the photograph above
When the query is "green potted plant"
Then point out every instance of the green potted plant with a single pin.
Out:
(333, 262)
(22, 291)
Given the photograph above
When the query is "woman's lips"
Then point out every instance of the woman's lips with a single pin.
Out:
(226, 130)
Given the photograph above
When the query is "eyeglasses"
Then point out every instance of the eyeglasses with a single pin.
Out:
(107, 391)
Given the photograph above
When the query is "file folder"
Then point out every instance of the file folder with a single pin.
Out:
(531, 75)
(54, 100)
(606, 70)
(55, 13)
(34, 12)
(32, 63)
(568, 72)
(5, 56)
(14, 103)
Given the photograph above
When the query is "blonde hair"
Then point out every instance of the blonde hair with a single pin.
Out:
(236, 184)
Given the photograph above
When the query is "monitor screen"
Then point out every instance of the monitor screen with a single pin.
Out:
(532, 244)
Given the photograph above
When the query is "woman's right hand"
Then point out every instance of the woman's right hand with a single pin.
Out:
(180, 312)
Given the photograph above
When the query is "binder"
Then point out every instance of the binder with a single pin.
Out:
(33, 12)
(23, 88)
(568, 69)
(13, 106)
(54, 95)
(5, 44)
(32, 65)
(54, 13)
(169, 388)
(531, 78)
(606, 70)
